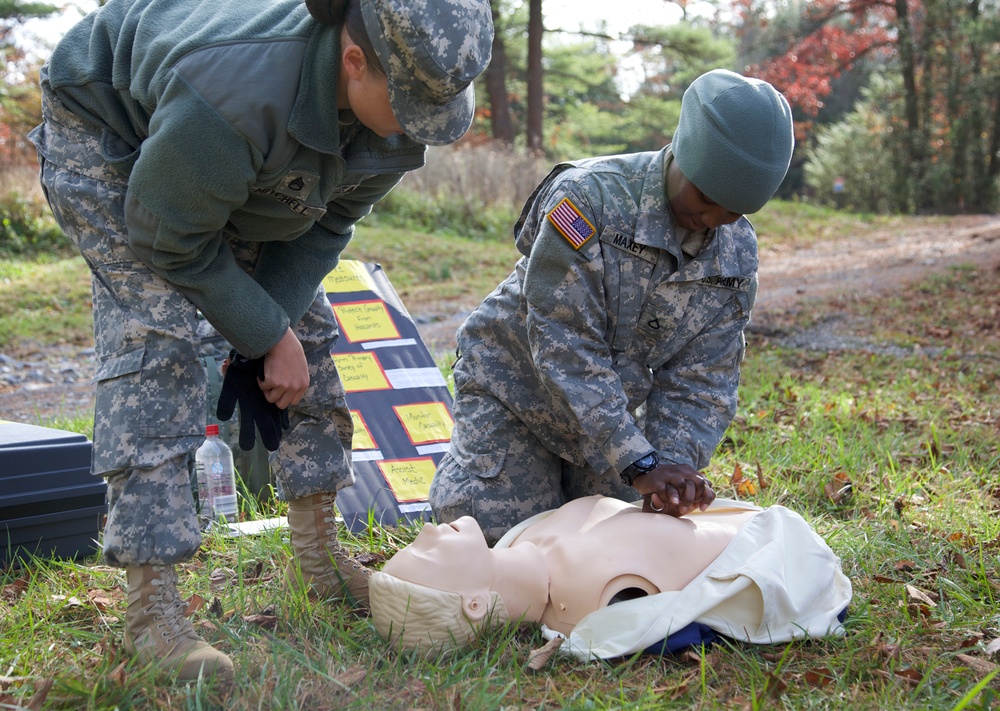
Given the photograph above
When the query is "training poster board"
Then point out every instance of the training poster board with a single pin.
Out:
(398, 398)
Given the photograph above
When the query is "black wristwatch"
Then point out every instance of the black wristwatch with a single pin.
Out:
(639, 466)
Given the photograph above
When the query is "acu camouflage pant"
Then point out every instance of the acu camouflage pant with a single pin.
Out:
(150, 385)
(500, 473)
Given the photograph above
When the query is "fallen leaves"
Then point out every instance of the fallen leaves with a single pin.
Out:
(818, 677)
(538, 658)
(929, 599)
(909, 675)
(351, 677)
(981, 666)
(839, 488)
(747, 486)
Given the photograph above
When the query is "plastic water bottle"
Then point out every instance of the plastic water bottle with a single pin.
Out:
(216, 478)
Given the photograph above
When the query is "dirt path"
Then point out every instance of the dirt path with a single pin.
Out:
(874, 263)
(56, 383)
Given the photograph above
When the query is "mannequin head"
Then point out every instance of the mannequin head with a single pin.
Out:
(418, 617)
(439, 590)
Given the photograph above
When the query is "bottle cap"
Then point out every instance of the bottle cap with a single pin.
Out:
(211, 430)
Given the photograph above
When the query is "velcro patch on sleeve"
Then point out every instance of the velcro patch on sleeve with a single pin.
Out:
(571, 223)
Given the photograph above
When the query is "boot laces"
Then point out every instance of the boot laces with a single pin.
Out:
(166, 608)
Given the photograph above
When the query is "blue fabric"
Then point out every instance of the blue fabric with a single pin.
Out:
(695, 634)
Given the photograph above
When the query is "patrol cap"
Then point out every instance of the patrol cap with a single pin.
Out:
(734, 139)
(431, 51)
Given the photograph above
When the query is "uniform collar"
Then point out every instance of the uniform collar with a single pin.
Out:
(659, 228)
(656, 226)
(314, 119)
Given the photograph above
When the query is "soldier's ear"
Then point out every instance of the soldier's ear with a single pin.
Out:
(354, 62)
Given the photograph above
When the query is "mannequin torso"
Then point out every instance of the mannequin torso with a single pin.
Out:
(600, 550)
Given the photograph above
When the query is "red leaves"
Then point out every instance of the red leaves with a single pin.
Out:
(804, 73)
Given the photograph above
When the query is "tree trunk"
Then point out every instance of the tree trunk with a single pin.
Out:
(958, 110)
(496, 84)
(907, 58)
(982, 193)
(535, 98)
(994, 161)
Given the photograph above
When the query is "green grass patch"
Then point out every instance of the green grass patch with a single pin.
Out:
(45, 301)
(428, 268)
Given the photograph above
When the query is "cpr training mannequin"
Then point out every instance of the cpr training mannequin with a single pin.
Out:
(615, 580)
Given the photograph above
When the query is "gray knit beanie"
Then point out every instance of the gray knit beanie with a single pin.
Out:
(734, 140)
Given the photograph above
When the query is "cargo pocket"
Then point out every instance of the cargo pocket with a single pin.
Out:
(172, 397)
(480, 437)
(482, 465)
(117, 412)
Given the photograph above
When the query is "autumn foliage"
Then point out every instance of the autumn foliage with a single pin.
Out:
(845, 32)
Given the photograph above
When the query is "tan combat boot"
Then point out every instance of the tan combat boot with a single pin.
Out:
(325, 565)
(157, 632)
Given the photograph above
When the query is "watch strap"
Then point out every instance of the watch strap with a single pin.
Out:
(639, 467)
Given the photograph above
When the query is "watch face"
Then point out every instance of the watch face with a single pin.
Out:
(646, 463)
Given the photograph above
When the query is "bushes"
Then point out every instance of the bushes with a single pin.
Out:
(469, 191)
(27, 228)
(407, 208)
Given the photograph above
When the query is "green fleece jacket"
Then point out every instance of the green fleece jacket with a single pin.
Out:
(223, 115)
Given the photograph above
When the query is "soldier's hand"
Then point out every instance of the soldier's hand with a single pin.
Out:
(674, 489)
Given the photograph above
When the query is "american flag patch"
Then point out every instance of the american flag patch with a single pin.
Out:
(573, 225)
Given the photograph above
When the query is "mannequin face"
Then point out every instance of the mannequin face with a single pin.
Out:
(453, 557)
(365, 91)
(692, 210)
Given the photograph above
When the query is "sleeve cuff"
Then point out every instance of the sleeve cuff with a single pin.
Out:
(625, 445)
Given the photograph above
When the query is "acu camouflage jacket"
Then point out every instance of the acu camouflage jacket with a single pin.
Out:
(607, 340)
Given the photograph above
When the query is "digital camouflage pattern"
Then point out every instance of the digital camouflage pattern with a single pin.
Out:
(150, 408)
(588, 357)
(431, 51)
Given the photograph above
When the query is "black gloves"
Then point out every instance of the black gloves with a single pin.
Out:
(242, 384)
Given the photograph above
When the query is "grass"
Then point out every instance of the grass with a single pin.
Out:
(45, 301)
(890, 450)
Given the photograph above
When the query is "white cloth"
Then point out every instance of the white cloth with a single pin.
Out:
(776, 581)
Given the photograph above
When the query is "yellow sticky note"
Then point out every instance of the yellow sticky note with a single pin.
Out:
(409, 479)
(365, 321)
(426, 422)
(360, 371)
(350, 275)
(362, 435)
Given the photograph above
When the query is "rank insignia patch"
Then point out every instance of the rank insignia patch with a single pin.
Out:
(571, 224)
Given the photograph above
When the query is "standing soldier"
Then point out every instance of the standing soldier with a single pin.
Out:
(214, 157)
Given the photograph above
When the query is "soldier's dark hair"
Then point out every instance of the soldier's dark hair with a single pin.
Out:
(348, 14)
